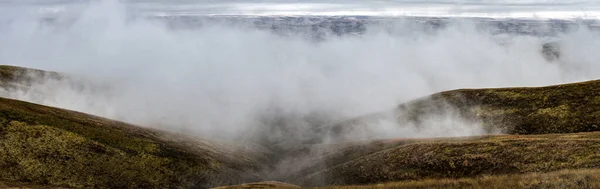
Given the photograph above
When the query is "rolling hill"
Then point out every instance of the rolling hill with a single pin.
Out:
(47, 146)
(566, 108)
(466, 158)
(551, 138)
(524, 113)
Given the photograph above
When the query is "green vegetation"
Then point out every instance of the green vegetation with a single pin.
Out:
(11, 75)
(581, 178)
(565, 108)
(468, 157)
(48, 146)
(568, 108)
(256, 185)
(555, 143)
(21, 185)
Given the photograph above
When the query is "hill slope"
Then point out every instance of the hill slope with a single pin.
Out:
(580, 178)
(563, 108)
(468, 157)
(44, 146)
(50, 146)
(566, 108)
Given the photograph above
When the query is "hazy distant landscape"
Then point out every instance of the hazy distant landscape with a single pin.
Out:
(335, 94)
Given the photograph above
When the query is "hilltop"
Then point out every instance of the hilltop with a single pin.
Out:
(566, 108)
(524, 113)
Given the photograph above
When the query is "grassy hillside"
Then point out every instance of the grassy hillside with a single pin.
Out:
(581, 178)
(257, 185)
(49, 146)
(468, 157)
(13, 75)
(566, 108)
(553, 128)
(576, 178)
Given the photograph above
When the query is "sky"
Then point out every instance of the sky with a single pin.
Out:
(454, 8)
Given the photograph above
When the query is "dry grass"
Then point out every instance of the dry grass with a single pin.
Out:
(567, 108)
(49, 147)
(45, 146)
(466, 157)
(564, 108)
(258, 185)
(581, 178)
(21, 185)
(54, 147)
(13, 75)
(572, 178)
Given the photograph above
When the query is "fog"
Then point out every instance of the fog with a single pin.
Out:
(226, 82)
